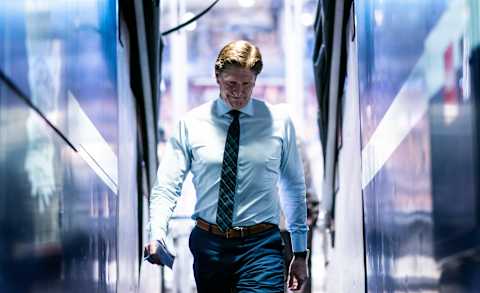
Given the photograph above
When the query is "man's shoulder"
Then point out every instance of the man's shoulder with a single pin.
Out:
(276, 111)
(203, 111)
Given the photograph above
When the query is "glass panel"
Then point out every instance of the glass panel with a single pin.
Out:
(57, 215)
(58, 219)
(53, 49)
(417, 118)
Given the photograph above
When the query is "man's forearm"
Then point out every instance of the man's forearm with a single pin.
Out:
(299, 241)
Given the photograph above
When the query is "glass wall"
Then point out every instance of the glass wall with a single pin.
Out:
(419, 157)
(58, 146)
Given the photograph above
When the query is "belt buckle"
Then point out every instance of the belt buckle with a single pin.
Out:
(241, 229)
(227, 233)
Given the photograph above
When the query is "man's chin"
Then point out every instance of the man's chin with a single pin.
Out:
(237, 105)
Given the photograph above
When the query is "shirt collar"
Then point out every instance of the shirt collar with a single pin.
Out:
(223, 108)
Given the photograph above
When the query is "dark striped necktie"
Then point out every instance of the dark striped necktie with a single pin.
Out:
(228, 179)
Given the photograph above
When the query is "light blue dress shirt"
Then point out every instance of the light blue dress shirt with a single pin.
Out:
(267, 156)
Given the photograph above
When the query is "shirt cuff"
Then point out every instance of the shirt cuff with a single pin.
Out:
(158, 234)
(299, 241)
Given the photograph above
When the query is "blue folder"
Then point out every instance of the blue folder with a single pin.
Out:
(166, 258)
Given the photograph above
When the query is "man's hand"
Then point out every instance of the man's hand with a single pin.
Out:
(149, 253)
(297, 273)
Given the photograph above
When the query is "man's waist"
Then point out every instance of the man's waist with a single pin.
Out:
(234, 232)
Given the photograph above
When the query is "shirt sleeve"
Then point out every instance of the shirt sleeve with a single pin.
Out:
(292, 195)
(174, 166)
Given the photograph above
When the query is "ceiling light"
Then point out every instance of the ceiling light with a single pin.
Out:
(308, 19)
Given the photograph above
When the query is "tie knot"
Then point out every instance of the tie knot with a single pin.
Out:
(234, 113)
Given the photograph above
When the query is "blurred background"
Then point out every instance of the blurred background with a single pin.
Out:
(384, 95)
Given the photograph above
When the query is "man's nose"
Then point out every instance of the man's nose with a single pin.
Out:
(236, 91)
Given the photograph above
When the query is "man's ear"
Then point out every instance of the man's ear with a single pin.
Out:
(217, 76)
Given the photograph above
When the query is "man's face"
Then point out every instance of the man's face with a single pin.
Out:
(236, 86)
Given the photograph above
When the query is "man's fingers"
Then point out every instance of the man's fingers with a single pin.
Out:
(153, 259)
(290, 281)
(295, 283)
(152, 248)
(149, 253)
(299, 284)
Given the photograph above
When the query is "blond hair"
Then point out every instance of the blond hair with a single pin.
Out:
(239, 53)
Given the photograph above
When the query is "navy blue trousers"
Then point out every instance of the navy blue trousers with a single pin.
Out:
(250, 264)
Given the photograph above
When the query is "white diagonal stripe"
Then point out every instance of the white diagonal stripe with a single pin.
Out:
(411, 102)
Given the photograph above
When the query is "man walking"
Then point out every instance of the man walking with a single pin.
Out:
(237, 149)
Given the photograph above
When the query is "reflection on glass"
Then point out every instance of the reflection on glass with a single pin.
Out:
(39, 164)
(45, 63)
(57, 218)
(416, 86)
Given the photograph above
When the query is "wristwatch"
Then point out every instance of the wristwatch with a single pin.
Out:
(303, 254)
